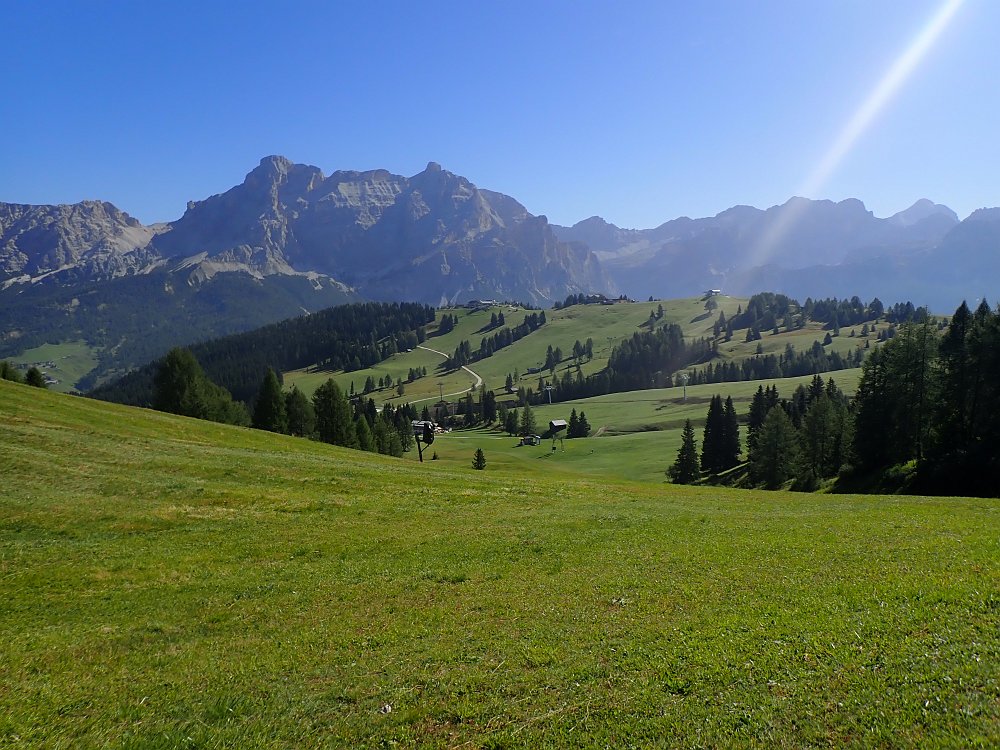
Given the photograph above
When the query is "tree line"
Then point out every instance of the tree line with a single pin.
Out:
(182, 387)
(923, 417)
(32, 376)
(347, 337)
(464, 353)
(805, 438)
(929, 401)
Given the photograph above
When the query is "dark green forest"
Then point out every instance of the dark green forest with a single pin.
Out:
(923, 419)
(347, 337)
(135, 319)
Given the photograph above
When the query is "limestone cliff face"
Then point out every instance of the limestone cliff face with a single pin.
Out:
(40, 239)
(433, 237)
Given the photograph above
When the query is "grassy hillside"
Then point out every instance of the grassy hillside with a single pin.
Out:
(607, 325)
(66, 363)
(635, 434)
(171, 583)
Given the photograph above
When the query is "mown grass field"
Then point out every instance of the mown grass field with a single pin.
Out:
(606, 325)
(635, 435)
(168, 583)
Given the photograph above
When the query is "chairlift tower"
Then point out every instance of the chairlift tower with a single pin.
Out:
(684, 378)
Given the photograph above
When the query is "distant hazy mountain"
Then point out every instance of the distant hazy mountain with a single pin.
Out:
(964, 264)
(744, 249)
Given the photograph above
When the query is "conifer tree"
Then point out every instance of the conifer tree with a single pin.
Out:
(269, 410)
(9, 372)
(334, 423)
(730, 443)
(685, 468)
(511, 422)
(479, 460)
(35, 378)
(774, 460)
(300, 413)
(180, 386)
(528, 425)
(758, 412)
(712, 438)
(366, 441)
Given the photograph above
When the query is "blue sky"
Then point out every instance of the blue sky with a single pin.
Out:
(636, 111)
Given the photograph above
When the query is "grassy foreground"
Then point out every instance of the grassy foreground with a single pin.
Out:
(168, 583)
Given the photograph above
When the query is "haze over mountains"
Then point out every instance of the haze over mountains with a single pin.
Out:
(803, 248)
(289, 239)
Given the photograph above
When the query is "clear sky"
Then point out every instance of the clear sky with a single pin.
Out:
(635, 111)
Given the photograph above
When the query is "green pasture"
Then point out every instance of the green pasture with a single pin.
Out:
(169, 583)
(636, 434)
(606, 325)
(69, 362)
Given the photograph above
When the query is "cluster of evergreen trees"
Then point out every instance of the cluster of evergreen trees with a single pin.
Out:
(182, 387)
(464, 354)
(514, 423)
(578, 426)
(645, 360)
(589, 299)
(805, 438)
(33, 376)
(347, 337)
(923, 411)
(720, 446)
(931, 400)
(770, 366)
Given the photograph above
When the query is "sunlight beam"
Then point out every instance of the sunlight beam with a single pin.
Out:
(887, 87)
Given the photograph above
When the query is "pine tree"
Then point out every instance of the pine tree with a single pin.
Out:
(300, 413)
(366, 440)
(685, 468)
(511, 422)
(528, 425)
(774, 460)
(333, 415)
(269, 410)
(180, 386)
(583, 429)
(574, 425)
(730, 442)
(35, 378)
(479, 460)
(712, 451)
(758, 412)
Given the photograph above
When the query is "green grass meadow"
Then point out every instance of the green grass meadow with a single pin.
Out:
(635, 435)
(169, 583)
(71, 361)
(606, 325)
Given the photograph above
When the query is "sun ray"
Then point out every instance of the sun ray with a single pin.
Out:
(890, 83)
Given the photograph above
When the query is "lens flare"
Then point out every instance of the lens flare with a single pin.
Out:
(887, 87)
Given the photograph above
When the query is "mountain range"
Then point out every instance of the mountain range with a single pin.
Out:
(802, 248)
(289, 240)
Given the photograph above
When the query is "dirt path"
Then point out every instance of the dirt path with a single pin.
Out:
(479, 380)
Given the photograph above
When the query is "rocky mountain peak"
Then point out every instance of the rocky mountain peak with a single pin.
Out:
(921, 210)
(985, 215)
